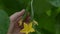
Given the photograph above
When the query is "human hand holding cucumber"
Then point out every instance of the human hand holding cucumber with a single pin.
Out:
(14, 19)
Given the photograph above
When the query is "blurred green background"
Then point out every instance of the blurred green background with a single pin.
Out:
(46, 13)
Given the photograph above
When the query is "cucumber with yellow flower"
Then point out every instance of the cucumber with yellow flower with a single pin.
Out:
(27, 21)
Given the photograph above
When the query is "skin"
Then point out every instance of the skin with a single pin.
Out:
(13, 28)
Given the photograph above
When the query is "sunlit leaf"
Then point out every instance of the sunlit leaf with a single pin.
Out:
(48, 12)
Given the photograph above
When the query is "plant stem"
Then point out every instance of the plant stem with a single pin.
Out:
(32, 12)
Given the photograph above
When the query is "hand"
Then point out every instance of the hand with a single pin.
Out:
(13, 28)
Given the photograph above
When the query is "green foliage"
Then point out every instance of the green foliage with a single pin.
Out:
(4, 22)
(46, 13)
(55, 3)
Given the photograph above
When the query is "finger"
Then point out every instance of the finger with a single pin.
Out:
(27, 19)
(16, 23)
(13, 26)
(16, 15)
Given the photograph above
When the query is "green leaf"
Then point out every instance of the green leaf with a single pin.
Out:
(1, 4)
(4, 22)
(55, 3)
(48, 12)
(58, 24)
(40, 7)
(12, 6)
(44, 21)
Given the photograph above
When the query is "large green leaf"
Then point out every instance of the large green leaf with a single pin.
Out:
(58, 24)
(55, 3)
(41, 6)
(4, 22)
(45, 21)
(12, 6)
(1, 4)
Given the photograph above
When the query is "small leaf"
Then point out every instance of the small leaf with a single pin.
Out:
(48, 12)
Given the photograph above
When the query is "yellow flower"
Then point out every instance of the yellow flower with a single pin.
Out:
(20, 22)
(27, 28)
